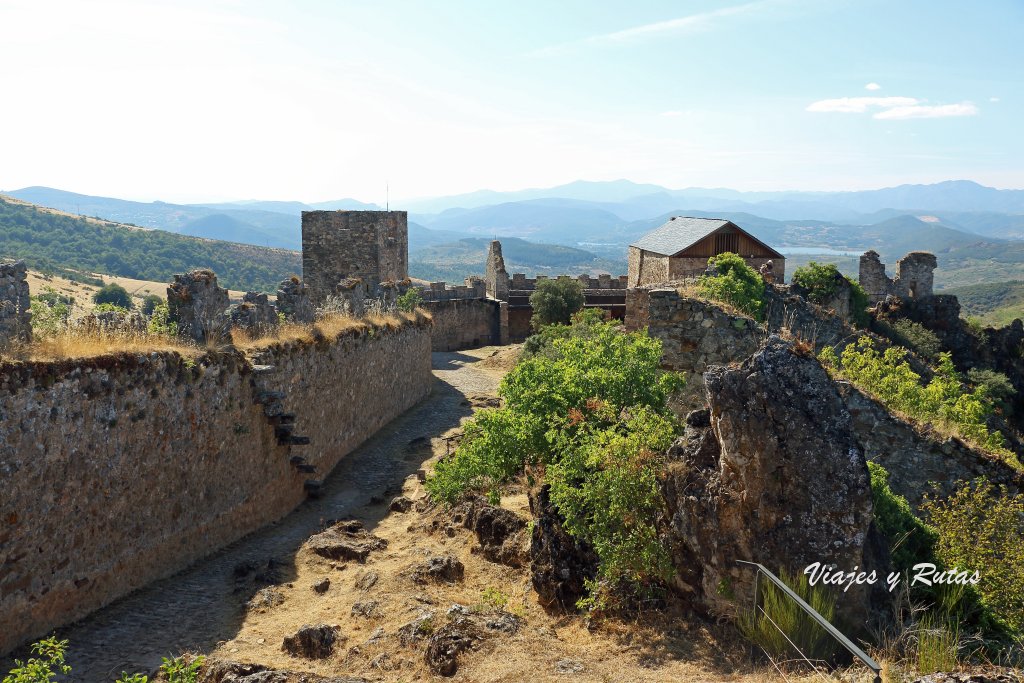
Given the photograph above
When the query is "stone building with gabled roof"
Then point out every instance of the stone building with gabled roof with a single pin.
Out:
(680, 249)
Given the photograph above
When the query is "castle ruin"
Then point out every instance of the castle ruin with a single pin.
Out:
(914, 279)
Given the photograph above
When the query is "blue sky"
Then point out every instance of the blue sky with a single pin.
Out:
(193, 101)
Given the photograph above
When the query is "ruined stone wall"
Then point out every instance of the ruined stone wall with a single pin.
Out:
(495, 275)
(466, 323)
(474, 288)
(914, 460)
(119, 470)
(15, 320)
(371, 245)
(695, 335)
(915, 278)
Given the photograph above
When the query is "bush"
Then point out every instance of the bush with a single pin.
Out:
(554, 301)
(160, 322)
(605, 484)
(410, 301)
(910, 540)
(48, 320)
(735, 283)
(777, 611)
(914, 336)
(149, 303)
(109, 308)
(821, 280)
(590, 405)
(980, 529)
(41, 669)
(995, 384)
(888, 377)
(115, 294)
(818, 279)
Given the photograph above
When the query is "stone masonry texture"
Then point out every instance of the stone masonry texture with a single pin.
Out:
(199, 306)
(371, 245)
(119, 470)
(15, 320)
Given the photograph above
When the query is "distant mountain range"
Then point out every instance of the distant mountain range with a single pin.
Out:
(959, 220)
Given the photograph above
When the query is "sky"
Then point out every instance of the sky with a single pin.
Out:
(304, 100)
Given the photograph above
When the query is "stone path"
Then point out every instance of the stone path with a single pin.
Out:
(200, 606)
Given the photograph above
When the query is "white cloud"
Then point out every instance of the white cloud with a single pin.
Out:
(872, 86)
(993, 99)
(859, 105)
(925, 111)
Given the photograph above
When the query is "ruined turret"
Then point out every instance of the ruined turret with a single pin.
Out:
(495, 274)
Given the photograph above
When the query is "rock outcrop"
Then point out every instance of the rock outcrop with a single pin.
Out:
(218, 671)
(772, 474)
(312, 642)
(560, 565)
(256, 315)
(501, 533)
(346, 540)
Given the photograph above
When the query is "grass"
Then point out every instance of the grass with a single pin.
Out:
(74, 344)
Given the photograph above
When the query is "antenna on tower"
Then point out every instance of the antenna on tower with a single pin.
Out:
(387, 196)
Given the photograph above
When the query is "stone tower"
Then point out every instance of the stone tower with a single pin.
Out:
(495, 275)
(336, 245)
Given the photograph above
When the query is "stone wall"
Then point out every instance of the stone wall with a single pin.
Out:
(914, 279)
(467, 323)
(119, 470)
(474, 288)
(15, 320)
(495, 275)
(371, 245)
(915, 460)
(694, 335)
(198, 305)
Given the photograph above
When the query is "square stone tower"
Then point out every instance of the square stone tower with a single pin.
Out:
(336, 245)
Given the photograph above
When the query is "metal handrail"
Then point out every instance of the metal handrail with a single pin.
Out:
(821, 621)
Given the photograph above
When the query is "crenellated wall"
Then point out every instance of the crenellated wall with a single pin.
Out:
(119, 470)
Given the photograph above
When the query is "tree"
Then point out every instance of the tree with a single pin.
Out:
(114, 294)
(554, 301)
(150, 302)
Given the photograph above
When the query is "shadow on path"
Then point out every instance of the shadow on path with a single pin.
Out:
(205, 604)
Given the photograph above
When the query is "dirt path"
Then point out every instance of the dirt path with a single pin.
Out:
(201, 606)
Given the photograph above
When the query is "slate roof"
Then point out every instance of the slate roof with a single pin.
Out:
(681, 232)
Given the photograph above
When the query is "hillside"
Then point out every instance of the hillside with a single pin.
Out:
(993, 303)
(54, 242)
(454, 261)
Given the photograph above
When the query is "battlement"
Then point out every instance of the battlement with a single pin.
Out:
(475, 288)
(520, 282)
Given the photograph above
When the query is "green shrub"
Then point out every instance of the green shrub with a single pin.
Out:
(554, 301)
(132, 678)
(995, 384)
(980, 528)
(735, 283)
(888, 377)
(109, 308)
(938, 645)
(48, 320)
(913, 336)
(115, 294)
(590, 405)
(51, 297)
(150, 302)
(820, 280)
(180, 670)
(910, 540)
(605, 484)
(582, 324)
(410, 301)
(777, 614)
(48, 663)
(160, 322)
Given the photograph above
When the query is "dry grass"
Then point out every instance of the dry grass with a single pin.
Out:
(327, 328)
(73, 344)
